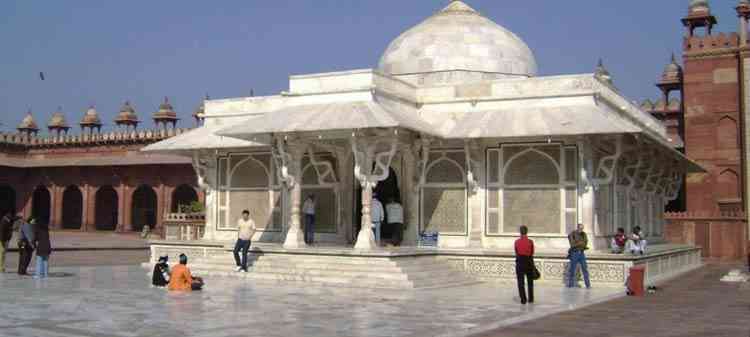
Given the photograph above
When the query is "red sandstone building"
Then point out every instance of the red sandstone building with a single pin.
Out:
(94, 180)
(704, 106)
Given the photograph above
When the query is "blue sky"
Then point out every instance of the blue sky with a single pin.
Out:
(106, 52)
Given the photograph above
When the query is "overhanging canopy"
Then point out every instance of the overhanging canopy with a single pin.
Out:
(327, 117)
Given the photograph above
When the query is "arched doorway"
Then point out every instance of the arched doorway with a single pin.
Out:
(72, 212)
(183, 196)
(385, 190)
(106, 208)
(7, 200)
(41, 205)
(144, 208)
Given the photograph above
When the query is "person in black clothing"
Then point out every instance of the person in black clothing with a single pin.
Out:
(43, 250)
(6, 232)
(160, 275)
(26, 242)
(525, 265)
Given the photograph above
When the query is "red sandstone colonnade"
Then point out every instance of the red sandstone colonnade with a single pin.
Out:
(121, 199)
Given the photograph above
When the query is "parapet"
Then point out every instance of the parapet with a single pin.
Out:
(711, 42)
(95, 139)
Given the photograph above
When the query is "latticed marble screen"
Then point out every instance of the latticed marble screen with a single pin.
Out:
(257, 202)
(444, 209)
(245, 182)
(325, 208)
(538, 209)
(536, 187)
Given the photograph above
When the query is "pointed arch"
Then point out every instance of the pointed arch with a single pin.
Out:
(72, 208)
(728, 185)
(727, 133)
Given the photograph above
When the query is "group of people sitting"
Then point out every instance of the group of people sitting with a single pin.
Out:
(634, 243)
(178, 278)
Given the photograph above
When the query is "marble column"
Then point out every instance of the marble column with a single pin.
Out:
(86, 208)
(365, 237)
(295, 234)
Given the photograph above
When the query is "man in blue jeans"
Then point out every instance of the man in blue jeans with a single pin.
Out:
(245, 232)
(578, 245)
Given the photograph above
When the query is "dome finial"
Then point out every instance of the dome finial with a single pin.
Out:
(602, 73)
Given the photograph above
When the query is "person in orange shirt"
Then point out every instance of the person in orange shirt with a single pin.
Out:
(181, 278)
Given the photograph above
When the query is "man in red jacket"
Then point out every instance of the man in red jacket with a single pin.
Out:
(525, 265)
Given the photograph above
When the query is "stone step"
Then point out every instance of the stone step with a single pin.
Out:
(315, 279)
(429, 266)
(229, 258)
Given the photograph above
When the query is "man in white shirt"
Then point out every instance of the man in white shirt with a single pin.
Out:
(308, 209)
(396, 220)
(245, 232)
(378, 215)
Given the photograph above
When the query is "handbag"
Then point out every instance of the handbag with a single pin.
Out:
(535, 274)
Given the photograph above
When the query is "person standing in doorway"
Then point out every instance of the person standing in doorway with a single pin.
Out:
(396, 220)
(578, 245)
(245, 232)
(25, 245)
(378, 215)
(525, 265)
(308, 209)
(6, 232)
(43, 251)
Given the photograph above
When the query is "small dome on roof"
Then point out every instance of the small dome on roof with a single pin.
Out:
(699, 7)
(201, 109)
(672, 72)
(28, 123)
(91, 118)
(57, 121)
(127, 115)
(166, 111)
(647, 105)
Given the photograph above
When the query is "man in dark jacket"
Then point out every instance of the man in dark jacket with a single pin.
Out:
(579, 243)
(6, 232)
(43, 250)
(26, 242)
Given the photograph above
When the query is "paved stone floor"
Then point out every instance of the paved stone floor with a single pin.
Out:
(116, 301)
(696, 304)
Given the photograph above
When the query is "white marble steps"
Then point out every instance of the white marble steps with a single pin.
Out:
(407, 273)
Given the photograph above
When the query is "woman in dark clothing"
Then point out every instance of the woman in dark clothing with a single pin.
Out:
(525, 265)
(160, 275)
(43, 251)
(26, 242)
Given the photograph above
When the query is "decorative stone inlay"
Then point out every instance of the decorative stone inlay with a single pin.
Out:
(554, 270)
(607, 272)
(491, 268)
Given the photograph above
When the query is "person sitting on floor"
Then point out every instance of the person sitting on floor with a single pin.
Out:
(618, 241)
(160, 276)
(636, 243)
(181, 278)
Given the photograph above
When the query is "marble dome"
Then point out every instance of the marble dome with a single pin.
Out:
(699, 6)
(458, 39)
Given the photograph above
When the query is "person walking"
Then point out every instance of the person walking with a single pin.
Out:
(26, 242)
(245, 232)
(377, 214)
(308, 209)
(6, 232)
(578, 245)
(395, 215)
(43, 251)
(525, 265)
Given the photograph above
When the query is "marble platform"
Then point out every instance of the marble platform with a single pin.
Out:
(117, 302)
(662, 261)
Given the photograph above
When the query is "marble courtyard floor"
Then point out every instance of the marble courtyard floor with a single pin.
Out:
(116, 301)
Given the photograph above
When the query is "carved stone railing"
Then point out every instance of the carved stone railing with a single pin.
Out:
(86, 139)
(184, 226)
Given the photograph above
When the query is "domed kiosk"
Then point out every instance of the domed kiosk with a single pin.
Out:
(454, 124)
